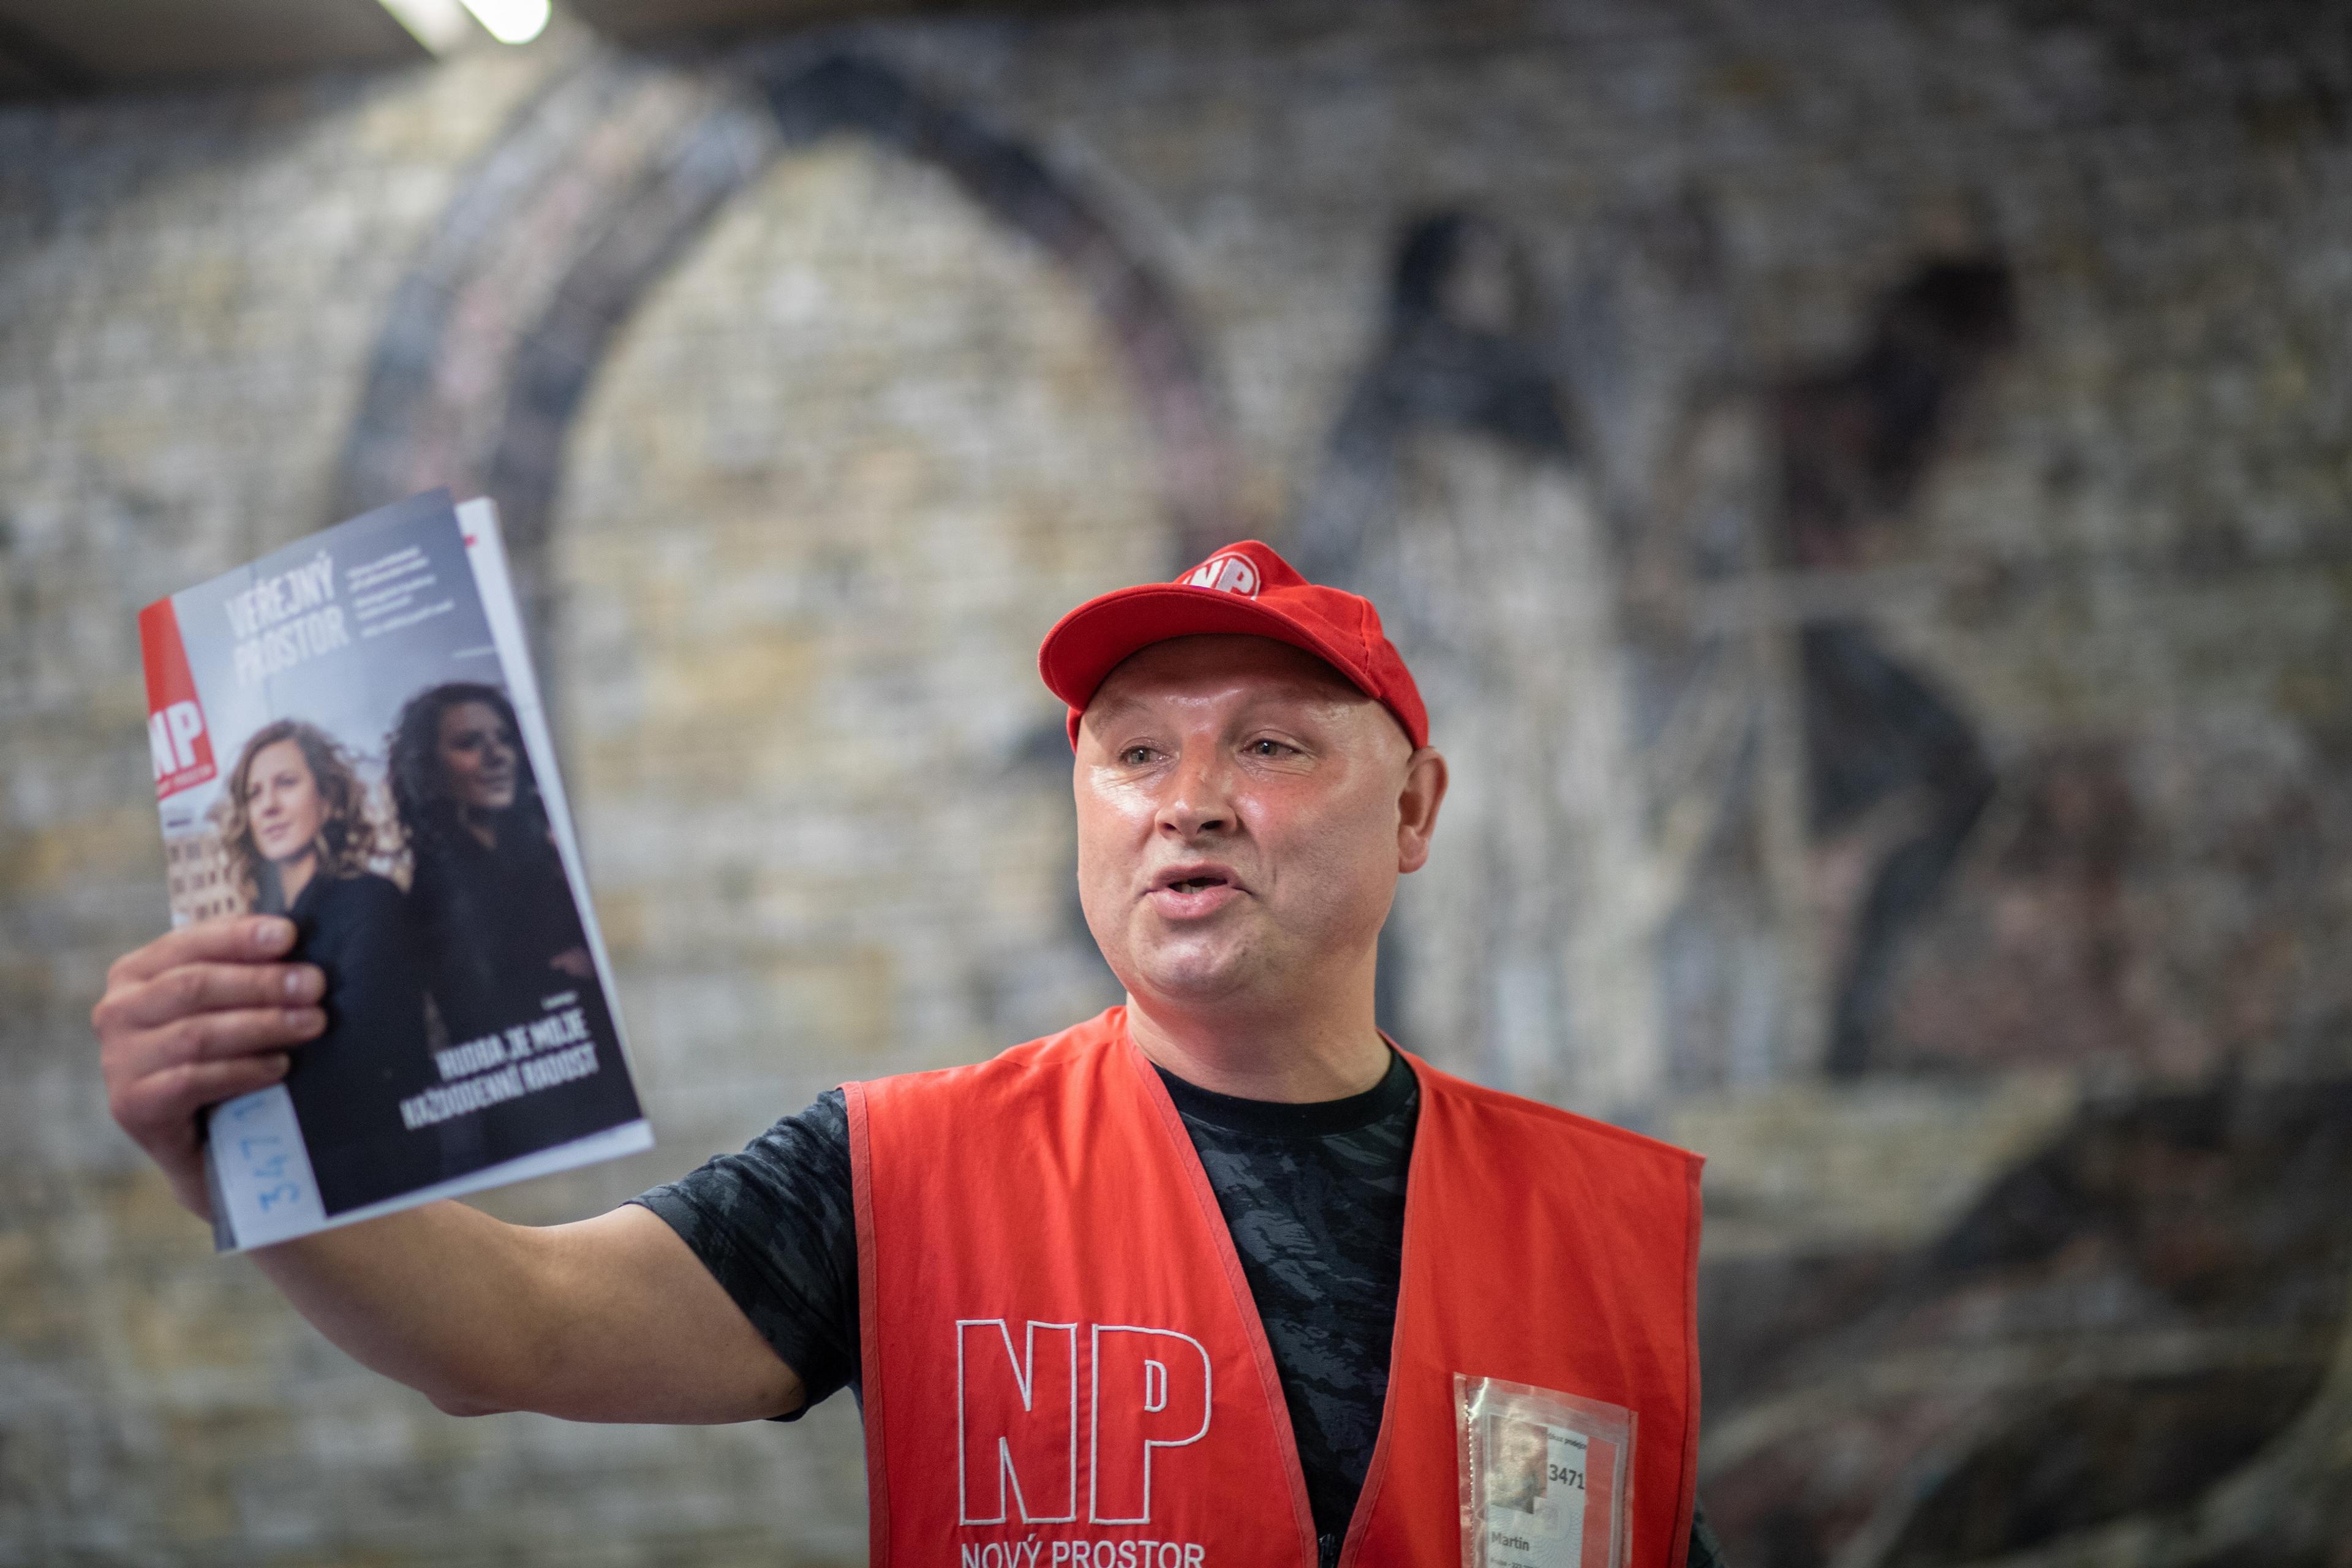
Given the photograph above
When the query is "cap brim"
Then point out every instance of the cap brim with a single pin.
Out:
(1091, 641)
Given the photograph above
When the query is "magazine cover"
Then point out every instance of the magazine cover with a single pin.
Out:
(347, 732)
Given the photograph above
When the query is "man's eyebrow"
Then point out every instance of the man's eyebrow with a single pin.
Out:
(1290, 692)
(1104, 709)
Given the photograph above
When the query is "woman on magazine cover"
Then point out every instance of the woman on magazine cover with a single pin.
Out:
(492, 908)
(300, 842)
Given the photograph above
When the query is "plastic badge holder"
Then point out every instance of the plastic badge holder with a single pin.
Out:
(1547, 1478)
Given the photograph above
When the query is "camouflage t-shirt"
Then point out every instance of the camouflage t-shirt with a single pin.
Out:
(1313, 1195)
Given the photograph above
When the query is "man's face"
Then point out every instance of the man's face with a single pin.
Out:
(1521, 1450)
(1244, 813)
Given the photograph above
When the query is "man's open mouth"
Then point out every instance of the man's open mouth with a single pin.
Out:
(1195, 884)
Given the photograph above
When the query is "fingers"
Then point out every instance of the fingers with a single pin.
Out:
(201, 987)
(161, 1107)
(212, 1037)
(230, 940)
(198, 1015)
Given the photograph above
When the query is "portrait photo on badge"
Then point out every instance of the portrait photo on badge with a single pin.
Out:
(1546, 1476)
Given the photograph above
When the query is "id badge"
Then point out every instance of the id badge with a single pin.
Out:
(1547, 1478)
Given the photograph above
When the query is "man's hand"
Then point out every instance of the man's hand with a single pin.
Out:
(202, 1015)
(613, 1319)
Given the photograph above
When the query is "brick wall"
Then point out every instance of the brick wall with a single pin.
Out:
(1926, 687)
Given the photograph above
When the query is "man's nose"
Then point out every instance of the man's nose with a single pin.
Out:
(1197, 801)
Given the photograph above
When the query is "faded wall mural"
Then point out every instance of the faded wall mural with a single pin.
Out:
(1843, 787)
(1711, 829)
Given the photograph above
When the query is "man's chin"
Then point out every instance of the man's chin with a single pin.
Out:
(1196, 977)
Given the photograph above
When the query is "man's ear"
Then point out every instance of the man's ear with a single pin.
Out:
(1424, 790)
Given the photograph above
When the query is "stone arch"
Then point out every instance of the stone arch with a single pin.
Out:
(609, 176)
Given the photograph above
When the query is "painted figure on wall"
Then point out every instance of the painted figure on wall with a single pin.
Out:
(1463, 485)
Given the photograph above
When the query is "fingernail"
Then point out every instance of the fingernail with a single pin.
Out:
(308, 1018)
(303, 983)
(272, 933)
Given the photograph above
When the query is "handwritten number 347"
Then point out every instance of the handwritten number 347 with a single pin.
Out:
(272, 1169)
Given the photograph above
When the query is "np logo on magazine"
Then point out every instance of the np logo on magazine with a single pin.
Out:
(348, 732)
(176, 742)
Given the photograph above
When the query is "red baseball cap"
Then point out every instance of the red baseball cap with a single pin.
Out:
(1244, 588)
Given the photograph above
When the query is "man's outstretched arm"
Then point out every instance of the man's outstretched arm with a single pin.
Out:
(612, 1319)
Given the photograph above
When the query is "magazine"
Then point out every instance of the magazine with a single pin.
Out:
(347, 732)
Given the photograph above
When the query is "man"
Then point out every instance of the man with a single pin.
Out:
(1154, 1290)
(1522, 1450)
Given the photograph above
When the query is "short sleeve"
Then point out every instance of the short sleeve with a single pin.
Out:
(1705, 1550)
(777, 1227)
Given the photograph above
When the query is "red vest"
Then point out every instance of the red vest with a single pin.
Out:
(1063, 1364)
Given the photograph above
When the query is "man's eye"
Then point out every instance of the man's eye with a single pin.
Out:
(1264, 748)
(1136, 757)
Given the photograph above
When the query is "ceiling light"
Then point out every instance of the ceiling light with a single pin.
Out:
(439, 25)
(511, 21)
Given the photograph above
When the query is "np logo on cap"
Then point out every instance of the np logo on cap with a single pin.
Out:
(1245, 589)
(1228, 573)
